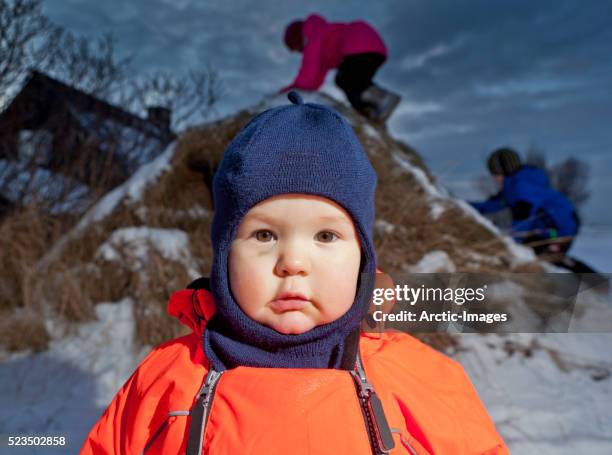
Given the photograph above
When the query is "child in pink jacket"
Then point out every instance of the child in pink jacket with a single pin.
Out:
(355, 48)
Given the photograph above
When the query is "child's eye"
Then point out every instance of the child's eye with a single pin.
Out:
(327, 236)
(264, 235)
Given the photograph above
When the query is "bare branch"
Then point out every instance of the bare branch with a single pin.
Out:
(27, 40)
(191, 97)
(90, 65)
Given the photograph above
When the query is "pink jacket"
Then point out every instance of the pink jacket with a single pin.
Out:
(328, 43)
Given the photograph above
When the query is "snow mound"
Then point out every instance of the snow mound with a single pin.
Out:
(131, 190)
(434, 262)
(136, 243)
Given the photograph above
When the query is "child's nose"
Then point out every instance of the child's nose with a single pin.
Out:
(293, 260)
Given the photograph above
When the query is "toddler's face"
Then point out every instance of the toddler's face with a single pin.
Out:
(294, 263)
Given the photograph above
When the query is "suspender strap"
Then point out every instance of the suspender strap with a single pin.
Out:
(376, 421)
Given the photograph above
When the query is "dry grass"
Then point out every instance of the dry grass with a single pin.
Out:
(20, 330)
(151, 290)
(76, 279)
(24, 237)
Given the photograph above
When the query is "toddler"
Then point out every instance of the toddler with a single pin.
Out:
(276, 362)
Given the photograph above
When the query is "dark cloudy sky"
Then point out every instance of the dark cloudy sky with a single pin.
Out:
(474, 75)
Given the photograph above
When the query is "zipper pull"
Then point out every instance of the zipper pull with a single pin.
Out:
(382, 437)
(381, 426)
(211, 380)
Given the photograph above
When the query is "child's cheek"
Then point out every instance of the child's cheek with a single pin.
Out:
(337, 293)
(248, 280)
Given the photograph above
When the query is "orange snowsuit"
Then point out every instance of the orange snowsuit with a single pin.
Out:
(430, 405)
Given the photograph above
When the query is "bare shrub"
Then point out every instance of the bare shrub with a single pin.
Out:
(571, 177)
(28, 39)
(24, 237)
(535, 157)
(190, 96)
(152, 288)
(23, 330)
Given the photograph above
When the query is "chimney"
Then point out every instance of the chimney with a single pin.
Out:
(160, 116)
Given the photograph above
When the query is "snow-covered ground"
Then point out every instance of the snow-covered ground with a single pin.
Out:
(64, 390)
(553, 399)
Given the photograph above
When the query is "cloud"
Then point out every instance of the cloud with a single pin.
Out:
(411, 62)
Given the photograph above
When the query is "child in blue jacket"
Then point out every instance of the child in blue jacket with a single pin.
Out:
(541, 216)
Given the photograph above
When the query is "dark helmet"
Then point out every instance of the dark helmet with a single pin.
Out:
(504, 161)
(293, 35)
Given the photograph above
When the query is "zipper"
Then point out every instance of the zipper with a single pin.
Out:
(201, 412)
(210, 393)
(366, 417)
(379, 434)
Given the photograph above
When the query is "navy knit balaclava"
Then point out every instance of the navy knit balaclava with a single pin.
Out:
(297, 148)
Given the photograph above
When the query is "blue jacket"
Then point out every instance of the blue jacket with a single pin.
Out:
(537, 209)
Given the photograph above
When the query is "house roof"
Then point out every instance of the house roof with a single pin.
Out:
(45, 103)
(42, 94)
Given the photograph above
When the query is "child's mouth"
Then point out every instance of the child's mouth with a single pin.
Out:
(283, 305)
